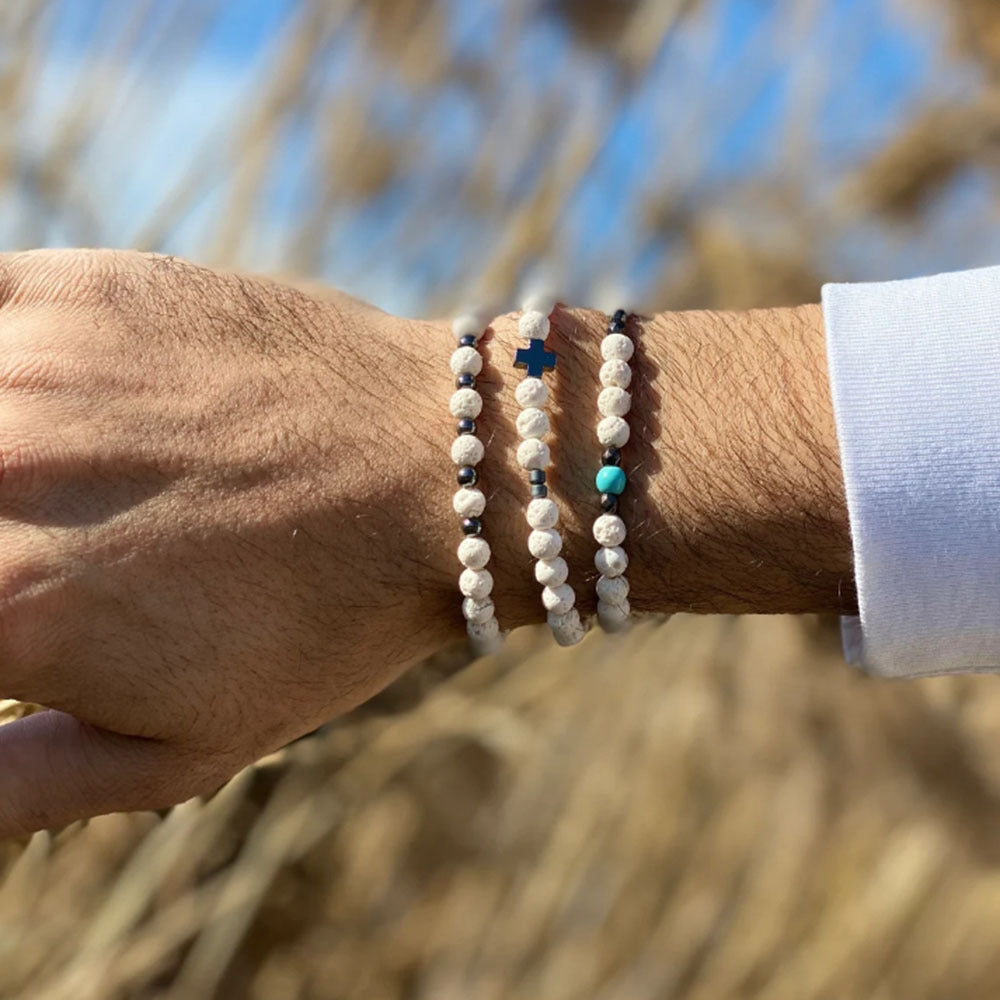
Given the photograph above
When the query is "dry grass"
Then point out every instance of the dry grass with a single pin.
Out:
(706, 809)
(713, 808)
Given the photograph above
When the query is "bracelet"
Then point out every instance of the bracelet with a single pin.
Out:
(544, 542)
(476, 581)
(613, 403)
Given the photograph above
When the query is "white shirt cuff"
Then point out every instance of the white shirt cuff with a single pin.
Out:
(915, 379)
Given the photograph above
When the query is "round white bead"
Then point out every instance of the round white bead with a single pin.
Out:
(466, 403)
(612, 589)
(617, 347)
(476, 583)
(613, 616)
(611, 561)
(531, 392)
(469, 502)
(466, 361)
(559, 599)
(612, 431)
(474, 553)
(544, 543)
(609, 530)
(533, 454)
(567, 629)
(533, 325)
(551, 572)
(542, 513)
(543, 301)
(616, 373)
(478, 612)
(532, 423)
(468, 324)
(484, 637)
(613, 402)
(467, 449)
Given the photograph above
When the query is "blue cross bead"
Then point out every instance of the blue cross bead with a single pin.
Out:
(535, 358)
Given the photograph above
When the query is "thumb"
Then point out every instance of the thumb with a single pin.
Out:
(55, 769)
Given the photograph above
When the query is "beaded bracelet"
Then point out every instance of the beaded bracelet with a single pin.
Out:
(613, 403)
(476, 581)
(544, 542)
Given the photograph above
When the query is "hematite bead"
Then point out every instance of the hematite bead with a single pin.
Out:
(467, 476)
(472, 526)
(466, 426)
(609, 503)
(620, 316)
(536, 477)
(539, 490)
(612, 456)
(469, 340)
(616, 327)
(465, 381)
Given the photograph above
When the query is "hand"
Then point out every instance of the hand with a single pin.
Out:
(207, 509)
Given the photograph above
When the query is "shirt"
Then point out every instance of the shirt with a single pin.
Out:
(914, 371)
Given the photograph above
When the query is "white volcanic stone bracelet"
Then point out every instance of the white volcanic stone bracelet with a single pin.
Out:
(613, 403)
(544, 541)
(467, 451)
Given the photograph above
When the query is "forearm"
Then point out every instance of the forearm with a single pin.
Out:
(735, 497)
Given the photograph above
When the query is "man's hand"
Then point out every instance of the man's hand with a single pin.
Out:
(207, 514)
(225, 506)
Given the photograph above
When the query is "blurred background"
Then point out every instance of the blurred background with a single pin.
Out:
(707, 808)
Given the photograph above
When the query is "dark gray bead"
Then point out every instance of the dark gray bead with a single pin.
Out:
(620, 316)
(612, 456)
(467, 476)
(472, 526)
(539, 490)
(466, 426)
(609, 503)
(469, 340)
(536, 477)
(466, 381)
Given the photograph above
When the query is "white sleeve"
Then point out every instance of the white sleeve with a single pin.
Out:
(915, 380)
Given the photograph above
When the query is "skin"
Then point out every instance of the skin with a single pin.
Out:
(225, 506)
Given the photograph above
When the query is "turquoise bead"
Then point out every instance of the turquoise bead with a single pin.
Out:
(611, 479)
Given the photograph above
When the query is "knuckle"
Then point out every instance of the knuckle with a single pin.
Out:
(26, 466)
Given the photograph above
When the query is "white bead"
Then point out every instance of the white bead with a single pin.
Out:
(616, 373)
(611, 561)
(543, 301)
(476, 583)
(466, 403)
(466, 361)
(533, 325)
(532, 423)
(617, 347)
(544, 543)
(612, 589)
(567, 629)
(468, 324)
(542, 513)
(609, 530)
(484, 637)
(469, 502)
(531, 392)
(467, 449)
(613, 402)
(613, 616)
(551, 572)
(478, 612)
(474, 553)
(612, 431)
(559, 599)
(533, 454)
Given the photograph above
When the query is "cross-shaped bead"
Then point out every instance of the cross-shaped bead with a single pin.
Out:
(535, 358)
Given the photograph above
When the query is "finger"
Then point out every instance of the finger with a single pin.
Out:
(55, 769)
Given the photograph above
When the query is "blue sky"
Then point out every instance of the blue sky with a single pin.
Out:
(709, 114)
